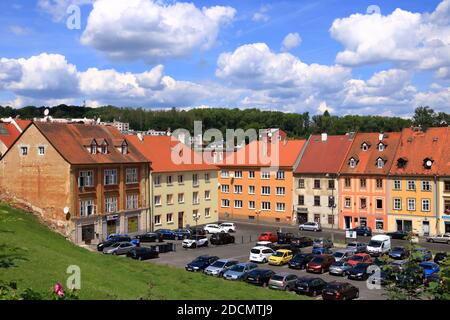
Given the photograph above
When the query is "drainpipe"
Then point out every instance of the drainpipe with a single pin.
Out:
(151, 204)
(388, 200)
(436, 206)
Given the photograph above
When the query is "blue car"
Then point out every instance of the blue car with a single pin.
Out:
(201, 263)
(239, 271)
(429, 268)
(322, 251)
(167, 234)
(363, 231)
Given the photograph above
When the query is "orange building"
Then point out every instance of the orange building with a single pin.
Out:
(256, 182)
(363, 181)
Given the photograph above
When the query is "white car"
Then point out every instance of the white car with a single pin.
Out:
(213, 228)
(228, 227)
(195, 241)
(310, 226)
(260, 254)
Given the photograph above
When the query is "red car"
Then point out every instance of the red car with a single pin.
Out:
(320, 263)
(360, 258)
(268, 236)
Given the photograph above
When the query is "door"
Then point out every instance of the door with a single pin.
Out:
(133, 225)
(87, 233)
(426, 228)
(447, 227)
(407, 225)
(302, 218)
(111, 227)
(348, 222)
(399, 225)
(180, 220)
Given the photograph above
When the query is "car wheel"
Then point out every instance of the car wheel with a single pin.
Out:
(431, 240)
(206, 243)
(365, 234)
(301, 229)
(357, 295)
(264, 260)
(194, 245)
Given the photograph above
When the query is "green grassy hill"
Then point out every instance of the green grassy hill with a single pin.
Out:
(36, 258)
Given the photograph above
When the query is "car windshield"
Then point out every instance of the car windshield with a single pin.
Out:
(200, 259)
(218, 264)
(115, 244)
(360, 267)
(298, 257)
(375, 243)
(278, 254)
(339, 264)
(351, 245)
(397, 249)
(317, 260)
(338, 254)
(255, 251)
(277, 278)
(427, 266)
(238, 268)
(357, 258)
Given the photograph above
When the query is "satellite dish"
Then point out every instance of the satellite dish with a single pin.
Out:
(66, 210)
(429, 163)
(46, 112)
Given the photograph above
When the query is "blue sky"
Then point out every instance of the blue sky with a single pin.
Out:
(344, 59)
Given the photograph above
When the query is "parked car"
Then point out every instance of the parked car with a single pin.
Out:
(228, 227)
(148, 237)
(363, 231)
(108, 243)
(260, 277)
(195, 241)
(322, 243)
(167, 234)
(310, 286)
(422, 254)
(340, 268)
(260, 254)
(213, 228)
(200, 263)
(322, 250)
(283, 281)
(360, 258)
(440, 256)
(340, 291)
(290, 247)
(356, 247)
(118, 248)
(285, 237)
(320, 264)
(218, 267)
(142, 253)
(302, 242)
(342, 255)
(299, 261)
(442, 238)
(399, 235)
(429, 268)
(117, 236)
(182, 233)
(434, 277)
(268, 236)
(310, 226)
(399, 253)
(361, 271)
(382, 278)
(197, 231)
(280, 257)
(379, 245)
(239, 271)
(221, 238)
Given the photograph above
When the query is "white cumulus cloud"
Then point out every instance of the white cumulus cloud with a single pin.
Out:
(291, 41)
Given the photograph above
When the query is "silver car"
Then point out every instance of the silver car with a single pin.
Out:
(119, 248)
(357, 247)
(341, 255)
(310, 226)
(340, 268)
(442, 238)
(219, 267)
(283, 281)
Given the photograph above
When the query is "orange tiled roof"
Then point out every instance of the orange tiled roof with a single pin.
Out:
(367, 160)
(416, 146)
(169, 155)
(444, 165)
(10, 133)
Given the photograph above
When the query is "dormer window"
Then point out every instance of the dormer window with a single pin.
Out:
(104, 147)
(380, 163)
(381, 146)
(352, 162)
(93, 148)
(365, 146)
(401, 162)
(124, 147)
(427, 163)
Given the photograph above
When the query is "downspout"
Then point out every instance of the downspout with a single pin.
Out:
(436, 206)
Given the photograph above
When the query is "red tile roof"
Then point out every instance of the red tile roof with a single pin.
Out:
(444, 165)
(69, 141)
(10, 132)
(367, 160)
(416, 146)
(324, 156)
(169, 155)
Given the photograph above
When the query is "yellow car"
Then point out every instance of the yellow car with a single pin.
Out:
(280, 257)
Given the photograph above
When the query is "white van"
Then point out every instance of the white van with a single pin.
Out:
(260, 254)
(379, 244)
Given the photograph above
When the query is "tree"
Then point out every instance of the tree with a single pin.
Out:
(441, 290)
(424, 117)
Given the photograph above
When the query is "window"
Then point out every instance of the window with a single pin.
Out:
(330, 219)
(86, 208)
(362, 183)
(330, 184)
(331, 202)
(317, 201)
(316, 184)
(281, 206)
(169, 199)
(301, 200)
(411, 204)
(93, 148)
(280, 175)
(265, 205)
(157, 181)
(131, 175)
(225, 203)
(447, 185)
(380, 163)
(169, 218)
(169, 180)
(237, 189)
(224, 174)
(380, 147)
(238, 174)
(379, 203)
(251, 174)
(426, 205)
(206, 177)
(348, 182)
(181, 198)
(132, 201)
(41, 150)
(180, 179)
(24, 151)
(86, 178)
(348, 202)
(124, 148)
(363, 203)
(238, 204)
(207, 212)
(104, 147)
(110, 204)
(157, 200)
(379, 224)
(158, 220)
(411, 185)
(365, 146)
(379, 183)
(426, 186)
(110, 177)
(195, 180)
(352, 163)
(363, 222)
(265, 175)
(397, 204)
(225, 188)
(251, 189)
(251, 205)
(397, 185)
(281, 191)
(265, 190)
(195, 198)
(301, 183)
(207, 195)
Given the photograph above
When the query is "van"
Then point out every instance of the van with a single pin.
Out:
(379, 245)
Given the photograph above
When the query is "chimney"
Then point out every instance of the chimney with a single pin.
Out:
(324, 137)
(381, 136)
(140, 137)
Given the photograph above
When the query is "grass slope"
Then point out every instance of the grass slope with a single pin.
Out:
(46, 255)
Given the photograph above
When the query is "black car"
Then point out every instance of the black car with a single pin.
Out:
(432, 278)
(302, 242)
(260, 277)
(440, 256)
(360, 272)
(109, 243)
(198, 231)
(221, 238)
(285, 237)
(200, 263)
(310, 286)
(400, 235)
(148, 237)
(182, 233)
(142, 253)
(299, 261)
(340, 291)
(294, 249)
(399, 253)
(363, 231)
